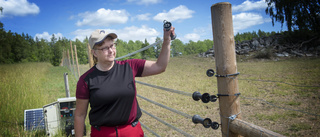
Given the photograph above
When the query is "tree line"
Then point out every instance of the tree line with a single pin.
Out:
(250, 35)
(17, 48)
(303, 17)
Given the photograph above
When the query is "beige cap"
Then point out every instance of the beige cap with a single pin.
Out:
(98, 36)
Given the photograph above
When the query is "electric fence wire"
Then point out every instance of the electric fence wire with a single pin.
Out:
(158, 42)
(190, 94)
(154, 133)
(173, 110)
(166, 89)
(278, 82)
(166, 107)
(140, 50)
(167, 124)
(301, 111)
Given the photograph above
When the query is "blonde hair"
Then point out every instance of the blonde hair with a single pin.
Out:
(95, 60)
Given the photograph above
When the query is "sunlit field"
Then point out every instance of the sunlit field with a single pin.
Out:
(28, 86)
(290, 85)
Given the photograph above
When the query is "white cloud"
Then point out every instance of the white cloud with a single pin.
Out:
(192, 36)
(18, 8)
(81, 34)
(245, 20)
(144, 2)
(144, 17)
(203, 30)
(198, 33)
(103, 17)
(138, 33)
(45, 35)
(176, 14)
(128, 33)
(249, 5)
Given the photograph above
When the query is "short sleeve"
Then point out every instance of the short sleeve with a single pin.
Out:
(137, 66)
(82, 91)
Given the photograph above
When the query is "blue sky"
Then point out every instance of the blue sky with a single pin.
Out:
(129, 19)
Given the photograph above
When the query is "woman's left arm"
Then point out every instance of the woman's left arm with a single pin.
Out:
(159, 66)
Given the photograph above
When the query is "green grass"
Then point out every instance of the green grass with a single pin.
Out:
(33, 85)
(28, 86)
(299, 126)
(294, 103)
(274, 117)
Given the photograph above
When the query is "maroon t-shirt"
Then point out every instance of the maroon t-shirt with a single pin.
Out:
(112, 94)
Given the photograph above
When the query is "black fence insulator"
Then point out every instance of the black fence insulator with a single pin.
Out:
(215, 125)
(205, 98)
(210, 72)
(206, 122)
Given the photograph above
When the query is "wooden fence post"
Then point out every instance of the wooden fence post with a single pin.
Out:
(90, 58)
(69, 61)
(225, 58)
(75, 51)
(226, 68)
(72, 65)
(62, 59)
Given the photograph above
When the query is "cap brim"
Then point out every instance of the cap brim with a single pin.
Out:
(113, 35)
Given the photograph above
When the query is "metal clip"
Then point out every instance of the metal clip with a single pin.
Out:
(228, 75)
(233, 117)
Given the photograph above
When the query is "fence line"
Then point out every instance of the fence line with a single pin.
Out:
(72, 59)
(190, 95)
(67, 62)
(171, 90)
(278, 82)
(281, 107)
(167, 124)
(140, 50)
(154, 133)
(166, 89)
(168, 108)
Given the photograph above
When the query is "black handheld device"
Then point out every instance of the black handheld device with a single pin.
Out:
(167, 26)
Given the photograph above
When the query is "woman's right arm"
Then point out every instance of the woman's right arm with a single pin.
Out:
(80, 116)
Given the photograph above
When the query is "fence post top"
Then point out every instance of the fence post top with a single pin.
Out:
(221, 3)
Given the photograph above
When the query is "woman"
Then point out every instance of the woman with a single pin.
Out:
(110, 88)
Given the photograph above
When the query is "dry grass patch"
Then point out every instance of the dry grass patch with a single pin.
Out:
(32, 85)
(260, 79)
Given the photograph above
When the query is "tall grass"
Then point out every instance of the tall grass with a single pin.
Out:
(33, 85)
(26, 86)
